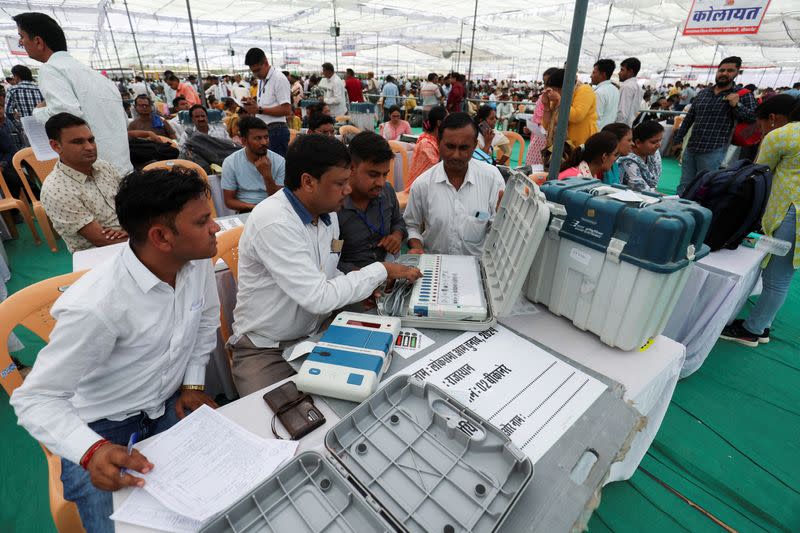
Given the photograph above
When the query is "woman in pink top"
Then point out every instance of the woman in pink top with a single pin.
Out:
(594, 158)
(426, 151)
(392, 130)
(536, 129)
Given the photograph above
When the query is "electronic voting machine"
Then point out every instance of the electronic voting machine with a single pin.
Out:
(350, 358)
(468, 293)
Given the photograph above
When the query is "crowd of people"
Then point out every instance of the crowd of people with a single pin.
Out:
(324, 222)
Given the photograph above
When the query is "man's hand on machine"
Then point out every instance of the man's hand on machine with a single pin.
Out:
(397, 271)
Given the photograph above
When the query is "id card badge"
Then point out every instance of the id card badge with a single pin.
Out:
(337, 245)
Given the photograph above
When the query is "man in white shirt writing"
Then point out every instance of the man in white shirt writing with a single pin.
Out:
(288, 256)
(69, 86)
(130, 345)
(455, 200)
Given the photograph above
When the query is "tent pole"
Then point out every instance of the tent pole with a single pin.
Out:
(271, 56)
(669, 57)
(472, 43)
(762, 76)
(539, 67)
(230, 49)
(605, 30)
(460, 40)
(335, 37)
(377, 43)
(570, 72)
(133, 33)
(778, 78)
(196, 57)
(714, 58)
(113, 40)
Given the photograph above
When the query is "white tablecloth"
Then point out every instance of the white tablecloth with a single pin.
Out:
(215, 181)
(649, 377)
(398, 165)
(668, 129)
(718, 287)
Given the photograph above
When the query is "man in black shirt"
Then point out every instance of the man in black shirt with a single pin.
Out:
(370, 222)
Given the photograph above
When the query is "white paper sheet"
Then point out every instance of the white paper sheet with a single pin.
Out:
(632, 196)
(206, 462)
(37, 137)
(142, 509)
(532, 396)
(411, 341)
(228, 223)
(298, 350)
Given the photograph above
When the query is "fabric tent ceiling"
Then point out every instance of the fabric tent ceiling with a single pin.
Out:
(399, 39)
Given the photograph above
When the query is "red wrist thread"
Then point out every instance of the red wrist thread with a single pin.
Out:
(91, 451)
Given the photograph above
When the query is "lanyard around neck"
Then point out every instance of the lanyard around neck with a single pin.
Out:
(380, 231)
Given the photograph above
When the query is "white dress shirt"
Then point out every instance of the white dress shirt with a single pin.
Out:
(456, 221)
(140, 87)
(123, 343)
(215, 129)
(607, 96)
(335, 94)
(169, 93)
(630, 98)
(72, 87)
(273, 91)
(240, 91)
(288, 277)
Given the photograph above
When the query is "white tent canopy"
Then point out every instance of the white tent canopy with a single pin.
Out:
(392, 38)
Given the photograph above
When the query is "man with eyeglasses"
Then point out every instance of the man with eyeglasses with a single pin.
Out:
(148, 124)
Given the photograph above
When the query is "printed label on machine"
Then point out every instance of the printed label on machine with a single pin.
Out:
(532, 396)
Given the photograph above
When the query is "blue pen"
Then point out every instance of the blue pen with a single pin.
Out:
(131, 441)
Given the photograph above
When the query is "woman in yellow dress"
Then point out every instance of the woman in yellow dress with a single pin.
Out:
(779, 118)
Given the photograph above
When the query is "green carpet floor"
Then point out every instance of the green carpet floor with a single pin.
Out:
(730, 441)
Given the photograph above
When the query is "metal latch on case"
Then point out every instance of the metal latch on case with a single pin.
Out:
(615, 247)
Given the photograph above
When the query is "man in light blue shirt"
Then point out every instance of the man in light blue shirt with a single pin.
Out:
(605, 91)
(390, 92)
(254, 172)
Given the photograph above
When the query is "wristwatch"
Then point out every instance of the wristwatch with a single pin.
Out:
(201, 388)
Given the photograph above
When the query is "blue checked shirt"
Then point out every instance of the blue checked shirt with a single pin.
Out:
(713, 119)
(22, 98)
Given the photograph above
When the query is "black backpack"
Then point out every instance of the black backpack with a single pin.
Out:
(737, 197)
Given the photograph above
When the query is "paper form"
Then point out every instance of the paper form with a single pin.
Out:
(206, 462)
(228, 223)
(142, 509)
(37, 137)
(532, 396)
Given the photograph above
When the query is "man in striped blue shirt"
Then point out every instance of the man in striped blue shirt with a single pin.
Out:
(23, 96)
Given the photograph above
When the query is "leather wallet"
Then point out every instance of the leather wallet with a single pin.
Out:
(294, 409)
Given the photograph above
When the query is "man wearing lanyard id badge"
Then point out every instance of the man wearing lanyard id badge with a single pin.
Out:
(273, 99)
(289, 251)
(370, 221)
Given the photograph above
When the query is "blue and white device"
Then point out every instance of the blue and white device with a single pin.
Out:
(350, 358)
